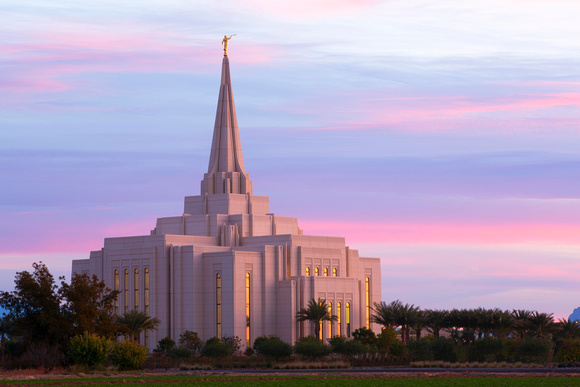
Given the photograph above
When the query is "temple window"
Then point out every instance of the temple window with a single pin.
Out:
(126, 289)
(248, 342)
(136, 287)
(116, 287)
(316, 271)
(146, 290)
(348, 319)
(338, 327)
(307, 271)
(218, 304)
(326, 271)
(329, 321)
(334, 272)
(368, 302)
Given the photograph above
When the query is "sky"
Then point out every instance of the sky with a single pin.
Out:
(441, 136)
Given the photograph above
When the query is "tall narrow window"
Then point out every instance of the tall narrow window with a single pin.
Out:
(338, 326)
(326, 271)
(126, 289)
(136, 287)
(218, 304)
(116, 286)
(248, 310)
(334, 272)
(146, 290)
(368, 301)
(330, 321)
(348, 319)
(307, 271)
(316, 271)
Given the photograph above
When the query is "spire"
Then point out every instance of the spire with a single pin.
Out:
(225, 173)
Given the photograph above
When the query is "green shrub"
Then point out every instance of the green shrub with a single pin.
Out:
(365, 336)
(164, 346)
(180, 353)
(420, 350)
(444, 349)
(488, 349)
(89, 349)
(128, 355)
(569, 351)
(191, 341)
(272, 346)
(398, 349)
(534, 350)
(215, 348)
(312, 347)
(345, 347)
(385, 339)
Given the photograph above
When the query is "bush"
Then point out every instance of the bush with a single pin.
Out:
(214, 347)
(234, 342)
(128, 355)
(420, 350)
(569, 352)
(180, 353)
(42, 355)
(398, 349)
(443, 349)
(164, 346)
(312, 347)
(365, 336)
(385, 339)
(345, 347)
(191, 341)
(488, 349)
(89, 349)
(272, 346)
(534, 350)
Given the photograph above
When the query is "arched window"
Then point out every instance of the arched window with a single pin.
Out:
(334, 272)
(136, 287)
(146, 290)
(248, 311)
(348, 319)
(307, 271)
(316, 271)
(329, 321)
(218, 304)
(126, 289)
(326, 271)
(368, 301)
(338, 326)
(116, 286)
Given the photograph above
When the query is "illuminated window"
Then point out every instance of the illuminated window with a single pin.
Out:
(218, 302)
(348, 319)
(334, 272)
(146, 290)
(248, 310)
(368, 301)
(126, 289)
(329, 321)
(338, 327)
(136, 293)
(116, 286)
(316, 272)
(326, 271)
(307, 271)
(320, 326)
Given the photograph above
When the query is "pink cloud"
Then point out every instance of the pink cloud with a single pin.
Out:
(309, 9)
(441, 233)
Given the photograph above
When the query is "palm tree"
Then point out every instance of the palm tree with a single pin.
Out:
(502, 323)
(436, 320)
(134, 322)
(522, 321)
(316, 312)
(568, 329)
(542, 324)
(384, 314)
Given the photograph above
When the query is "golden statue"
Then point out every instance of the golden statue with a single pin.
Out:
(225, 43)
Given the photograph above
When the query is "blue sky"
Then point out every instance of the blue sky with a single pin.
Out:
(440, 136)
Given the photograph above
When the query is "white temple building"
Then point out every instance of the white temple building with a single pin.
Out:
(230, 267)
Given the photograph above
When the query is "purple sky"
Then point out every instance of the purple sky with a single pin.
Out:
(442, 136)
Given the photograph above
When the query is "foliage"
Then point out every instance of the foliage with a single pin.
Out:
(272, 346)
(44, 317)
(214, 347)
(128, 355)
(420, 350)
(316, 312)
(180, 352)
(398, 314)
(89, 349)
(444, 349)
(312, 347)
(398, 349)
(164, 346)
(534, 350)
(365, 336)
(191, 341)
(345, 347)
(88, 306)
(569, 351)
(234, 342)
(385, 339)
(488, 349)
(133, 322)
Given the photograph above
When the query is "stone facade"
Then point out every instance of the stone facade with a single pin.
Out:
(228, 266)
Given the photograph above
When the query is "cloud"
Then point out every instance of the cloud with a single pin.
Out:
(309, 9)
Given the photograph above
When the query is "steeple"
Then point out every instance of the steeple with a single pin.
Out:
(225, 173)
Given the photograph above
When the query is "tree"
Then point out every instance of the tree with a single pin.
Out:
(134, 322)
(542, 324)
(88, 306)
(316, 312)
(436, 320)
(272, 346)
(34, 307)
(568, 329)
(522, 321)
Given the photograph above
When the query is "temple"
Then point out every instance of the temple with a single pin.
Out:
(230, 267)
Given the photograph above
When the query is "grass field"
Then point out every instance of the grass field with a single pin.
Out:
(304, 380)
